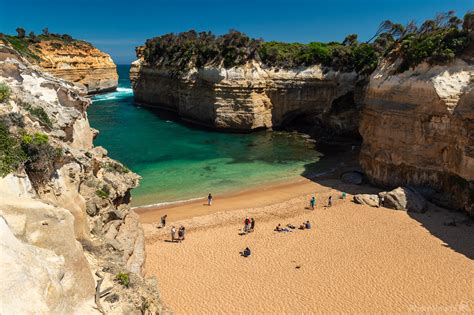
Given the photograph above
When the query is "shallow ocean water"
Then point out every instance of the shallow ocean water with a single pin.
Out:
(180, 162)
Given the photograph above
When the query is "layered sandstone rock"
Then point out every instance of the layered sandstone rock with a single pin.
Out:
(251, 96)
(61, 232)
(418, 129)
(80, 63)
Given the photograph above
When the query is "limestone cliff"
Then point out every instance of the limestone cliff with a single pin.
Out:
(65, 219)
(73, 60)
(246, 97)
(418, 129)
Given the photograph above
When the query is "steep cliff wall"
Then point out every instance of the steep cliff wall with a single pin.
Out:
(72, 60)
(80, 63)
(65, 217)
(245, 97)
(418, 129)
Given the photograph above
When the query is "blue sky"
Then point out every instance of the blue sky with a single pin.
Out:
(118, 26)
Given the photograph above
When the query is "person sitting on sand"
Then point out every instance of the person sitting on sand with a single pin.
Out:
(343, 196)
(173, 233)
(246, 252)
(163, 220)
(209, 199)
(312, 202)
(252, 224)
(280, 229)
(307, 225)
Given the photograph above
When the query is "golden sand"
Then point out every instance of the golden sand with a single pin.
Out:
(355, 259)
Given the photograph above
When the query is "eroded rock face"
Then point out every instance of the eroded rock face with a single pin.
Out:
(418, 129)
(403, 198)
(78, 62)
(246, 97)
(78, 215)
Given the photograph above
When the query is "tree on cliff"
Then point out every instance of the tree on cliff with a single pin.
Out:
(45, 31)
(21, 32)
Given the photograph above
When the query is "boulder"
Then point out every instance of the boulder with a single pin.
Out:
(367, 199)
(404, 198)
(352, 178)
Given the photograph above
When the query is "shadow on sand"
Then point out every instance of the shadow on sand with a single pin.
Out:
(452, 227)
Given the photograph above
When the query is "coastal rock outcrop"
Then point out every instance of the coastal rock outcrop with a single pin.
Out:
(251, 96)
(65, 219)
(418, 129)
(73, 60)
(367, 199)
(404, 198)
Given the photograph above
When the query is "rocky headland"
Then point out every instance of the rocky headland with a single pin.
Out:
(70, 59)
(70, 242)
(250, 96)
(408, 95)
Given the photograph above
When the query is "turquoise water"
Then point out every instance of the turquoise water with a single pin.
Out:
(180, 162)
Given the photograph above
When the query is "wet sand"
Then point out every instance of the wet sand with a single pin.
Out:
(355, 259)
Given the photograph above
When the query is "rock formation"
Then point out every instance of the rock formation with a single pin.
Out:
(251, 96)
(65, 218)
(418, 129)
(75, 61)
(417, 126)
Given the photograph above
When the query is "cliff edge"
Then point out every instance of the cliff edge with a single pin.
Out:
(70, 242)
(72, 60)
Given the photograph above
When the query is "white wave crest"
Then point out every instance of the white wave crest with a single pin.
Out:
(118, 94)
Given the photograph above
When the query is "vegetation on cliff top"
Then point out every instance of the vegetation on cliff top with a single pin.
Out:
(26, 45)
(436, 41)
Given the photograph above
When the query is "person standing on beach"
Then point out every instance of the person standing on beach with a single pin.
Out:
(173, 233)
(252, 224)
(330, 201)
(163, 220)
(209, 199)
(381, 200)
(183, 232)
(312, 202)
(246, 225)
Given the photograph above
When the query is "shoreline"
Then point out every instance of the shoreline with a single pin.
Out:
(254, 197)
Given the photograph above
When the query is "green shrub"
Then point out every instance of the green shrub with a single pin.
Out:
(4, 92)
(123, 279)
(41, 157)
(116, 168)
(435, 41)
(104, 192)
(40, 114)
(11, 153)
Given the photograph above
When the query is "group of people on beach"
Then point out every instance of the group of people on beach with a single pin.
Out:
(312, 201)
(304, 226)
(249, 225)
(181, 232)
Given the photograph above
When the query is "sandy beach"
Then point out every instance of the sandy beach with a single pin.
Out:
(354, 259)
